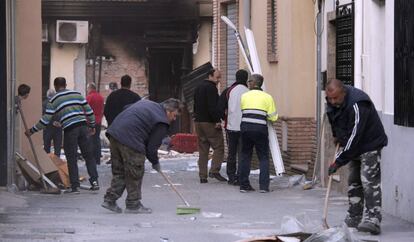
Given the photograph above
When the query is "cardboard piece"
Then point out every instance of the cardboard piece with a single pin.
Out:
(31, 172)
(62, 169)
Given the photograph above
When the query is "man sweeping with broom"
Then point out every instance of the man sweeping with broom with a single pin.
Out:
(357, 128)
(136, 133)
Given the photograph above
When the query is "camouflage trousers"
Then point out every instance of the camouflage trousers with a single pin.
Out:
(127, 173)
(365, 187)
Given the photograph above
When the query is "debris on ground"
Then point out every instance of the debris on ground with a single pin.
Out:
(212, 215)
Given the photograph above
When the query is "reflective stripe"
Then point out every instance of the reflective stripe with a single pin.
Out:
(252, 120)
(254, 111)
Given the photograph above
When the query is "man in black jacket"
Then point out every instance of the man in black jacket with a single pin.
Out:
(135, 134)
(357, 128)
(208, 126)
(118, 99)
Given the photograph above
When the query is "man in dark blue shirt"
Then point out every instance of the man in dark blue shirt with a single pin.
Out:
(136, 133)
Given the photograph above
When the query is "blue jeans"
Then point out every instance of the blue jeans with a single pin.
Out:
(260, 141)
(74, 137)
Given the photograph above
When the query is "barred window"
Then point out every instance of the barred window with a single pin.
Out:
(271, 31)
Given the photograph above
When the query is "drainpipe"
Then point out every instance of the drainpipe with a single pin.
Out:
(11, 66)
(318, 73)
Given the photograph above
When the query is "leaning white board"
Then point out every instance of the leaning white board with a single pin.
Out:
(273, 142)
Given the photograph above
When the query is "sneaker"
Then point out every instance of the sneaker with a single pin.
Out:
(141, 209)
(94, 186)
(369, 227)
(203, 180)
(73, 190)
(247, 189)
(352, 222)
(264, 190)
(218, 176)
(111, 206)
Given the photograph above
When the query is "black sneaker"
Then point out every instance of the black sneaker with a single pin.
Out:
(73, 190)
(139, 210)
(218, 176)
(352, 222)
(94, 186)
(203, 180)
(247, 189)
(372, 228)
(111, 206)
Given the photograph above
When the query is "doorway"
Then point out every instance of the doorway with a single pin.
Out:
(164, 77)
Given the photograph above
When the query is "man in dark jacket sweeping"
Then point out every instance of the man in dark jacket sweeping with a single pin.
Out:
(357, 127)
(136, 133)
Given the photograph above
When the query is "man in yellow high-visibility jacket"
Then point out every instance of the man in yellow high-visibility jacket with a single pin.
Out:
(258, 108)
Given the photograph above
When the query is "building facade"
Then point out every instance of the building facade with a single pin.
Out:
(285, 40)
(380, 47)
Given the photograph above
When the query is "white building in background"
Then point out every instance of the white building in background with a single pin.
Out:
(383, 66)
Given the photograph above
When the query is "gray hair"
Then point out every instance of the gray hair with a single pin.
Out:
(171, 105)
(257, 80)
(92, 86)
(50, 93)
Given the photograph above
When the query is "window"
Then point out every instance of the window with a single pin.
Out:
(404, 63)
(271, 31)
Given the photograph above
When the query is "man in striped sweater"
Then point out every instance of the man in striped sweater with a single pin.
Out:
(78, 122)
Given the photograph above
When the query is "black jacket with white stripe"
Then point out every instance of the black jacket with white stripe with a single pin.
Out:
(356, 125)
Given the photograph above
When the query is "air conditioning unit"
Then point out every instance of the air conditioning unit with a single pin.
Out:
(68, 31)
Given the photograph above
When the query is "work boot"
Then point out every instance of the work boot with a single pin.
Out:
(352, 222)
(139, 209)
(218, 176)
(111, 206)
(370, 227)
(94, 186)
(203, 180)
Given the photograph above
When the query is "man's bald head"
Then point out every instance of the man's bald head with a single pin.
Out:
(335, 92)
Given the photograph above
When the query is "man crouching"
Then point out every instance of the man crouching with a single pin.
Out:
(136, 133)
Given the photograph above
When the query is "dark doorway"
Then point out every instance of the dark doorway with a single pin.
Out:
(164, 77)
(45, 69)
(3, 96)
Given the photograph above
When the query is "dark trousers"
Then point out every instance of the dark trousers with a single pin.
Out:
(234, 154)
(127, 173)
(364, 187)
(260, 141)
(52, 133)
(73, 138)
(96, 144)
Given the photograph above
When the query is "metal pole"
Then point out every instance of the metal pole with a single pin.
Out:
(318, 76)
(11, 66)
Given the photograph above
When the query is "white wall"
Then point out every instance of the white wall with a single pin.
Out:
(388, 101)
(62, 62)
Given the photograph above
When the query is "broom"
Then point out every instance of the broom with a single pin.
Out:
(181, 210)
(46, 189)
(328, 191)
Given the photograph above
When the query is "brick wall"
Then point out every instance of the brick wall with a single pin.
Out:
(297, 141)
(122, 55)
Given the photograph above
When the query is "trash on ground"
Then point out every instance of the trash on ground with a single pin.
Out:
(212, 215)
(300, 223)
(157, 186)
(335, 234)
(144, 225)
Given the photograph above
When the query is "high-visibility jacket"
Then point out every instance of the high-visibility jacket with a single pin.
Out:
(257, 107)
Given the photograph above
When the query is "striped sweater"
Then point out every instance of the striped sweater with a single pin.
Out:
(70, 108)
